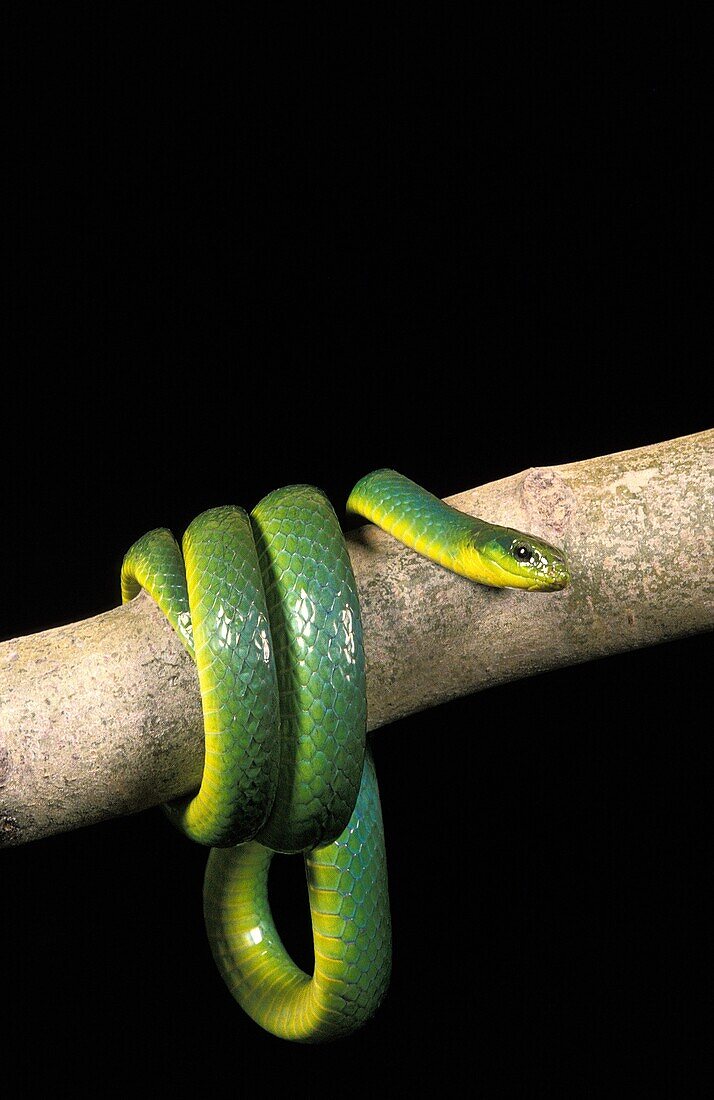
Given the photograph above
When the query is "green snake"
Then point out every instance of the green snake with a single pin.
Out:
(267, 606)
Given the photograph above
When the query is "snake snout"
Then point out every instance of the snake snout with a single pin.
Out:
(559, 573)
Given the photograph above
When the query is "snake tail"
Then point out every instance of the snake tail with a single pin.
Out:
(351, 930)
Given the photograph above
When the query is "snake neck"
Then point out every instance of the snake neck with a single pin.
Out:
(422, 522)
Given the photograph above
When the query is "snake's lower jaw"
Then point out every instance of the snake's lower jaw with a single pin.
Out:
(553, 583)
(556, 583)
(560, 577)
(550, 588)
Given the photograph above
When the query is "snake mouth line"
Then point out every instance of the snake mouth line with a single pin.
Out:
(497, 571)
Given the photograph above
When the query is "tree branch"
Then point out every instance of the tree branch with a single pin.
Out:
(102, 718)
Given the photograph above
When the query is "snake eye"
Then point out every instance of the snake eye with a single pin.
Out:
(522, 552)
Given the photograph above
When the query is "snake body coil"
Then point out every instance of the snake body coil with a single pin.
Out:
(267, 606)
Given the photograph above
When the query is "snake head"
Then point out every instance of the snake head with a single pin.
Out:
(510, 559)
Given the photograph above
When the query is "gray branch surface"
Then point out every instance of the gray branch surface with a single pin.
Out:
(103, 718)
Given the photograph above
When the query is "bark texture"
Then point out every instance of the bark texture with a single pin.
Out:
(102, 717)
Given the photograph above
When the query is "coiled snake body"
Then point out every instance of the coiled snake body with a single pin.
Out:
(267, 606)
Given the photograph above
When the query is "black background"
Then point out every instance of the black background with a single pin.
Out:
(296, 248)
